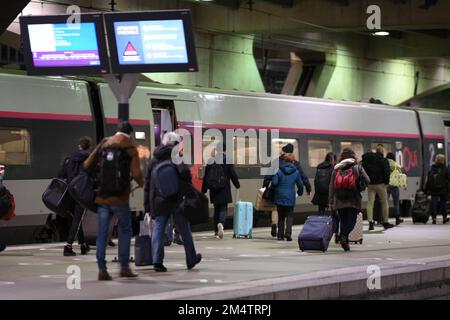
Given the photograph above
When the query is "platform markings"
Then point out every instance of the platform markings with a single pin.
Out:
(35, 263)
(6, 283)
(219, 248)
(254, 255)
(174, 251)
(53, 276)
(194, 280)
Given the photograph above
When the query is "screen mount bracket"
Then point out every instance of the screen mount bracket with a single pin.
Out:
(123, 86)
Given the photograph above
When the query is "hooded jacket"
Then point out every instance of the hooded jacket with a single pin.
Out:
(376, 167)
(303, 176)
(221, 196)
(153, 202)
(121, 141)
(284, 182)
(355, 201)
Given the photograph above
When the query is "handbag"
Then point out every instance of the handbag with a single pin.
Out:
(263, 204)
(82, 190)
(194, 206)
(10, 214)
(57, 199)
(269, 193)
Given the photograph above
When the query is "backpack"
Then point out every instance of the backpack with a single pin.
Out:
(216, 178)
(437, 180)
(322, 180)
(345, 183)
(72, 168)
(5, 201)
(114, 177)
(165, 179)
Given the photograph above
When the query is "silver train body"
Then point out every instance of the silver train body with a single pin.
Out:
(41, 120)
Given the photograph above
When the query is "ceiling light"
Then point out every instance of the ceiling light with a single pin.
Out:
(381, 33)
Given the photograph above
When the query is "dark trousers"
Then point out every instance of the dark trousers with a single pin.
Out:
(220, 215)
(439, 205)
(76, 229)
(395, 193)
(348, 220)
(285, 212)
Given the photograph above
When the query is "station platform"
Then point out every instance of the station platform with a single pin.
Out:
(413, 260)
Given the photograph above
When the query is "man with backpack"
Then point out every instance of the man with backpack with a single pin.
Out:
(438, 186)
(165, 187)
(378, 170)
(117, 163)
(71, 167)
(217, 180)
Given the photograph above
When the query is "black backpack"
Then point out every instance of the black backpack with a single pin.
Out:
(216, 178)
(437, 179)
(322, 180)
(72, 168)
(165, 179)
(114, 177)
(5, 201)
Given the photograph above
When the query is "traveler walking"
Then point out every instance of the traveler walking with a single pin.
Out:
(393, 190)
(437, 186)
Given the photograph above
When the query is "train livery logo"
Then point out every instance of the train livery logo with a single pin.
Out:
(407, 158)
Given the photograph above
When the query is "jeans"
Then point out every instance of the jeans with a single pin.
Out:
(183, 227)
(220, 215)
(348, 220)
(76, 228)
(395, 193)
(285, 212)
(439, 203)
(171, 230)
(381, 191)
(105, 214)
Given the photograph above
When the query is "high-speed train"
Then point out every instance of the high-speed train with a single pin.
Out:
(42, 118)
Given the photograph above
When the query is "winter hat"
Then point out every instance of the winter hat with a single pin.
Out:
(289, 148)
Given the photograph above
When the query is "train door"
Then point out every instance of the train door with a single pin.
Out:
(164, 119)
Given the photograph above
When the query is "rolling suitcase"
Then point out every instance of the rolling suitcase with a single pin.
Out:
(143, 244)
(421, 208)
(57, 198)
(90, 227)
(316, 233)
(356, 235)
(243, 219)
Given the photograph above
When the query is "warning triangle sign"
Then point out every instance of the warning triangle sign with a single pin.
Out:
(130, 50)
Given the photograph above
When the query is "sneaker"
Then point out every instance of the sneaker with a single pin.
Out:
(178, 241)
(434, 221)
(371, 226)
(167, 243)
(111, 243)
(280, 239)
(104, 276)
(398, 221)
(273, 232)
(68, 251)
(159, 267)
(127, 273)
(198, 258)
(84, 249)
(446, 220)
(288, 238)
(220, 230)
(2, 247)
(387, 225)
(216, 236)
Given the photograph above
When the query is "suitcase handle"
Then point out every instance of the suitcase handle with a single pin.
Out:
(238, 196)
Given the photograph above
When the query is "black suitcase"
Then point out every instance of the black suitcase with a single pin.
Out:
(90, 227)
(421, 208)
(57, 199)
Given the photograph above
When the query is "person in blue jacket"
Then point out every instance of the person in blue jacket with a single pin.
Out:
(284, 182)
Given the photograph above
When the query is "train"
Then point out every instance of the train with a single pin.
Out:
(42, 118)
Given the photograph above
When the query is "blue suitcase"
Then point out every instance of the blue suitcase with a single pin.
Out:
(316, 233)
(243, 220)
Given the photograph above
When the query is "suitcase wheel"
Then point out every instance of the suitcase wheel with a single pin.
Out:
(361, 241)
(234, 236)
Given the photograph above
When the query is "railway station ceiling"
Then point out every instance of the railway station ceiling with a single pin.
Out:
(329, 37)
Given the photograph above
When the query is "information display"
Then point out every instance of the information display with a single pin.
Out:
(53, 46)
(153, 41)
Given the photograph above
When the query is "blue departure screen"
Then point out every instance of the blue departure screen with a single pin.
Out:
(64, 45)
(150, 42)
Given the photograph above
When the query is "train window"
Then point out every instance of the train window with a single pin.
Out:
(387, 147)
(317, 150)
(15, 146)
(277, 144)
(358, 147)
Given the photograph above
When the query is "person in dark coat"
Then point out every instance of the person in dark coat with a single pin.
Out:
(321, 189)
(220, 198)
(284, 182)
(70, 168)
(287, 149)
(378, 170)
(161, 209)
(438, 186)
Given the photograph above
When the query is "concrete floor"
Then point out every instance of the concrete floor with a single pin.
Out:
(40, 271)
